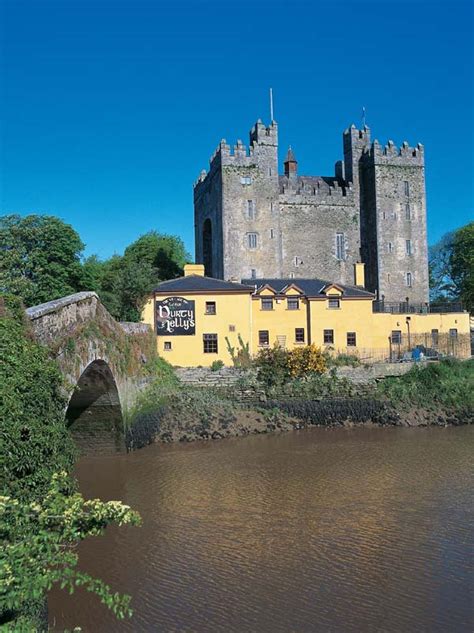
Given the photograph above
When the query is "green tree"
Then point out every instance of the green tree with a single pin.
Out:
(166, 254)
(93, 270)
(40, 258)
(462, 264)
(451, 263)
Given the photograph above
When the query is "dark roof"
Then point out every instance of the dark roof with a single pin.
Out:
(290, 157)
(310, 287)
(197, 283)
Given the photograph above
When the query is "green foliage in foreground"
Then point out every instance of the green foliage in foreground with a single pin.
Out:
(41, 518)
(34, 441)
(37, 553)
(448, 384)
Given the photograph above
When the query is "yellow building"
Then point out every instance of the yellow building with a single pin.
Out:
(197, 319)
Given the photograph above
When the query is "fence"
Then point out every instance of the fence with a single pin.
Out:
(405, 307)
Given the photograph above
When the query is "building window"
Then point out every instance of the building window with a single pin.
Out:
(334, 304)
(231, 328)
(272, 234)
(340, 247)
(210, 307)
(292, 275)
(408, 248)
(388, 278)
(210, 343)
(251, 209)
(297, 261)
(263, 338)
(409, 279)
(252, 240)
(167, 346)
(390, 247)
(351, 339)
(407, 212)
(396, 337)
(246, 180)
(453, 333)
(267, 303)
(328, 337)
(299, 335)
(253, 273)
(434, 338)
(406, 186)
(292, 304)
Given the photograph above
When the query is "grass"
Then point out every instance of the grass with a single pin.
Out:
(448, 384)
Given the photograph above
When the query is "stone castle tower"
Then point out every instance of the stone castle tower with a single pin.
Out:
(251, 222)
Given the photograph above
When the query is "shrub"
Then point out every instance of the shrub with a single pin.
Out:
(342, 360)
(241, 355)
(216, 365)
(306, 360)
(272, 366)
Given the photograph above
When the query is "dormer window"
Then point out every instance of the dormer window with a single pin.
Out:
(267, 303)
(293, 303)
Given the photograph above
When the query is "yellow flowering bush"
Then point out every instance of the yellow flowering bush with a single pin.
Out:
(306, 360)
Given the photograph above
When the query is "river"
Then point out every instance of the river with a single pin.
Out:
(331, 530)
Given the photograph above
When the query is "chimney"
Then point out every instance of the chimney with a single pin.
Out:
(359, 274)
(194, 269)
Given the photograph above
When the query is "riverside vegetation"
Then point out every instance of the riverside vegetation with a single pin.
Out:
(286, 390)
(42, 516)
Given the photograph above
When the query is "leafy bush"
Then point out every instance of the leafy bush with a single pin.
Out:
(272, 366)
(306, 360)
(216, 365)
(34, 439)
(241, 355)
(37, 553)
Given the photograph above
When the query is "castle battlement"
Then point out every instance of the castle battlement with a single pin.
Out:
(404, 155)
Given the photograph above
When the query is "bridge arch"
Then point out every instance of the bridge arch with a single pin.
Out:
(94, 413)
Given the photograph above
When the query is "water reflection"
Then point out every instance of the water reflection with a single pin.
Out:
(322, 530)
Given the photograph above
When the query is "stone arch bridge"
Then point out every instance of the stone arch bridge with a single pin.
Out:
(104, 363)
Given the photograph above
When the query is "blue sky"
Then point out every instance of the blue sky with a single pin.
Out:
(110, 108)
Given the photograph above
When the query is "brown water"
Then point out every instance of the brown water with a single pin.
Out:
(321, 530)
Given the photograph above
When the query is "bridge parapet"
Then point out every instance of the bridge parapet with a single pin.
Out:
(104, 362)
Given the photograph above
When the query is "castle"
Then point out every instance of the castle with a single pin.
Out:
(251, 222)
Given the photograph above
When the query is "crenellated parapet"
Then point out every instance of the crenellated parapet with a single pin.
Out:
(405, 155)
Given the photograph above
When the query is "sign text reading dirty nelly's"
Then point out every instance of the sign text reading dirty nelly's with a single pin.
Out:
(175, 316)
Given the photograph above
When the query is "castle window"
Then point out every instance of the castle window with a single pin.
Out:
(297, 261)
(434, 338)
(167, 346)
(299, 335)
(408, 247)
(351, 339)
(253, 273)
(407, 212)
(396, 337)
(334, 304)
(251, 209)
(267, 303)
(390, 247)
(409, 279)
(270, 171)
(328, 337)
(210, 307)
(340, 246)
(293, 304)
(209, 343)
(388, 277)
(272, 234)
(252, 240)
(246, 180)
(406, 186)
(264, 338)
